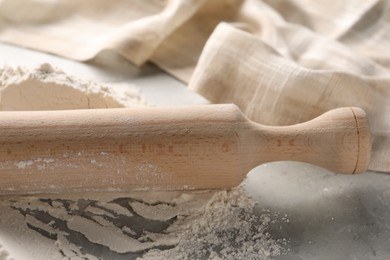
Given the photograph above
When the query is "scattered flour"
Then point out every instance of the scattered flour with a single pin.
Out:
(140, 225)
(224, 228)
(162, 225)
(40, 163)
(24, 164)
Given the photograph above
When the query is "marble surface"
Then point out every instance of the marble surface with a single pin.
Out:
(329, 216)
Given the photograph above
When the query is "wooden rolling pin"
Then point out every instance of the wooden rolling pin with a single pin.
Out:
(193, 147)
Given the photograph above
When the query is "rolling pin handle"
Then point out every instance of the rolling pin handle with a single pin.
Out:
(338, 140)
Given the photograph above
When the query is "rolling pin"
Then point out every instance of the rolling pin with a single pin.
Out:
(166, 148)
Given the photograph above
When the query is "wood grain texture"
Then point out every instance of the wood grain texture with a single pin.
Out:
(170, 148)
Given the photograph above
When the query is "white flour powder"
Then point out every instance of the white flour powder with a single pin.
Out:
(225, 227)
(142, 225)
(145, 225)
(48, 88)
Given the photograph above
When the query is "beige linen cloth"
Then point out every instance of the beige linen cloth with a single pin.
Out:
(280, 61)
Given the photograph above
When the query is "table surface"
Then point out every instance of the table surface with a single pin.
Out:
(330, 216)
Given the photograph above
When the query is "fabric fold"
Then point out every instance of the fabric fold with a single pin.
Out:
(238, 67)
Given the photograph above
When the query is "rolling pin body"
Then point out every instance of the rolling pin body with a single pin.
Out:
(193, 147)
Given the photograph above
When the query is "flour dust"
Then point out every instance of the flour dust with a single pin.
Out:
(148, 225)
(49, 88)
(138, 225)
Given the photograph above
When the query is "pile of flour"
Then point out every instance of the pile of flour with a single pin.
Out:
(142, 225)
(48, 88)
